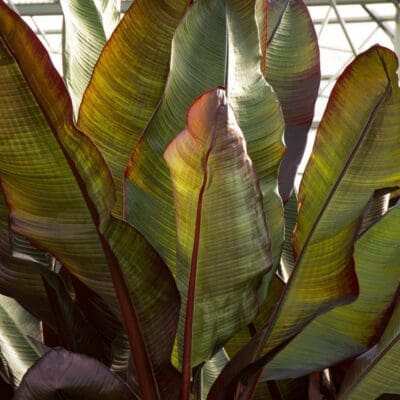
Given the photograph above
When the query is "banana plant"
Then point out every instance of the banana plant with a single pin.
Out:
(152, 246)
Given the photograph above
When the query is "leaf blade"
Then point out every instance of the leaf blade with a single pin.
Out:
(128, 82)
(76, 225)
(210, 167)
(198, 45)
(377, 371)
(292, 68)
(74, 375)
(87, 27)
(339, 166)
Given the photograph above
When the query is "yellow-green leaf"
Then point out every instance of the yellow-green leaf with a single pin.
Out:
(215, 45)
(128, 82)
(223, 252)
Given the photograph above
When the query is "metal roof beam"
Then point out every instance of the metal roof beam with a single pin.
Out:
(33, 9)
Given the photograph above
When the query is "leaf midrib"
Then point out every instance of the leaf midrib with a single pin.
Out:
(189, 315)
(290, 283)
(148, 386)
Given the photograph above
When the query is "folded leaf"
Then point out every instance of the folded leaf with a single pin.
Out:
(73, 376)
(87, 27)
(377, 371)
(350, 330)
(128, 82)
(215, 45)
(16, 351)
(354, 154)
(292, 68)
(61, 194)
(218, 275)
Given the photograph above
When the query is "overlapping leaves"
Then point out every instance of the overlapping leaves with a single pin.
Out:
(47, 154)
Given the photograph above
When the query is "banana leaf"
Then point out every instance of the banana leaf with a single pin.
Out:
(128, 82)
(19, 278)
(376, 372)
(87, 27)
(219, 270)
(291, 65)
(337, 185)
(348, 331)
(17, 353)
(72, 376)
(61, 194)
(75, 332)
(215, 45)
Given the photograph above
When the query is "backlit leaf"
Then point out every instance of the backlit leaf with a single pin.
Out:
(128, 82)
(215, 45)
(223, 252)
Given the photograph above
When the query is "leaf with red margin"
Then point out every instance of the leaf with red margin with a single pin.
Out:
(223, 252)
(60, 194)
(128, 82)
(337, 185)
(216, 44)
(347, 331)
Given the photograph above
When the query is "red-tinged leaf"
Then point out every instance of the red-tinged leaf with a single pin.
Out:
(219, 275)
(347, 331)
(337, 185)
(215, 45)
(377, 371)
(95, 309)
(42, 153)
(292, 67)
(72, 376)
(128, 82)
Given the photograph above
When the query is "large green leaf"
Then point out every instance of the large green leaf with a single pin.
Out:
(218, 275)
(87, 27)
(354, 154)
(241, 338)
(292, 68)
(61, 195)
(60, 374)
(215, 45)
(16, 351)
(377, 371)
(347, 331)
(128, 82)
